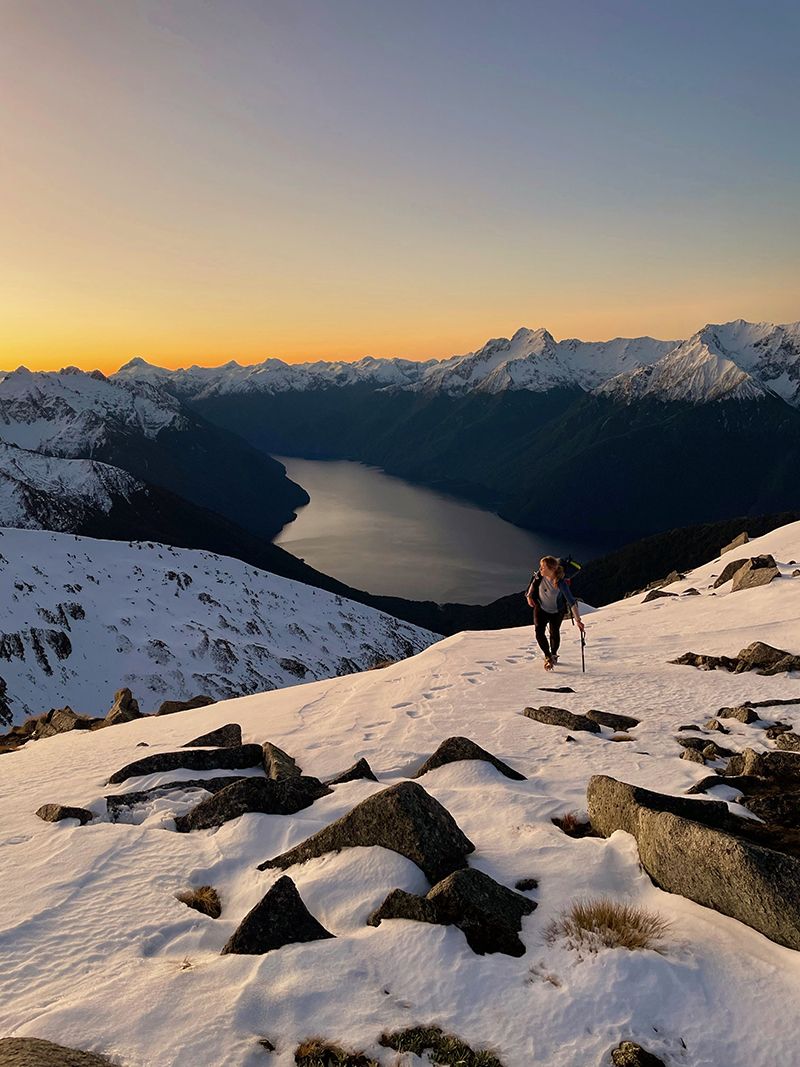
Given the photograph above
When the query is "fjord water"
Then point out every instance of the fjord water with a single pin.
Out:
(382, 534)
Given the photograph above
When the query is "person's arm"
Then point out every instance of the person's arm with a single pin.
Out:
(573, 606)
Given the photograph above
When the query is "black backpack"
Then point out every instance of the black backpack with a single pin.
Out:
(571, 568)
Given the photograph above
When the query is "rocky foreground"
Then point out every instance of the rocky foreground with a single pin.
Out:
(458, 859)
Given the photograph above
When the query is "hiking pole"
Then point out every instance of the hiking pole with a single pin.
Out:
(583, 646)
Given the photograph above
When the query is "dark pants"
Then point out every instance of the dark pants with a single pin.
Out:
(542, 621)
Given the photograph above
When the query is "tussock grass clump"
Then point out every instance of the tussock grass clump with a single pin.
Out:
(601, 922)
(444, 1049)
(574, 824)
(204, 898)
(318, 1053)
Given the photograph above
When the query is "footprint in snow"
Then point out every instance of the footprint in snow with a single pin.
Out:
(413, 714)
(470, 674)
(405, 704)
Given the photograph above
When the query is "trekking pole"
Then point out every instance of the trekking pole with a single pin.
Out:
(583, 646)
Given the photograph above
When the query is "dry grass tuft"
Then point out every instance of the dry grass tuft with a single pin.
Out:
(318, 1053)
(574, 824)
(204, 898)
(600, 922)
(445, 1049)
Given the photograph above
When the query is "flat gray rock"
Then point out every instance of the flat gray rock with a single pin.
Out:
(361, 769)
(403, 818)
(456, 749)
(613, 720)
(561, 717)
(201, 759)
(489, 914)
(280, 918)
(36, 1052)
(57, 812)
(262, 795)
(228, 736)
(756, 885)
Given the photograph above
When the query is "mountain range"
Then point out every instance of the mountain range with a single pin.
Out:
(612, 440)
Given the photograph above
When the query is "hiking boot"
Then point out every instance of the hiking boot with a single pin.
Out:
(548, 663)
(554, 659)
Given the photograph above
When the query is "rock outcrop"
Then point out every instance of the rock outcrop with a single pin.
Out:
(561, 717)
(455, 749)
(280, 918)
(489, 914)
(403, 818)
(360, 769)
(36, 1052)
(263, 795)
(57, 812)
(200, 759)
(278, 764)
(629, 1054)
(124, 709)
(758, 657)
(228, 736)
(170, 707)
(613, 720)
(740, 539)
(706, 863)
(760, 570)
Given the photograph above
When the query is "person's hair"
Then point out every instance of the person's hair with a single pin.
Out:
(554, 564)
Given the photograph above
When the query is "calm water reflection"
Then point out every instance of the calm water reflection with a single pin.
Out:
(379, 533)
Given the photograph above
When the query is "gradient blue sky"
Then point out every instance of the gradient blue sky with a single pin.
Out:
(193, 181)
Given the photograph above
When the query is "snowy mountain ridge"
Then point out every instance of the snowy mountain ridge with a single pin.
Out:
(733, 360)
(92, 909)
(80, 618)
(70, 412)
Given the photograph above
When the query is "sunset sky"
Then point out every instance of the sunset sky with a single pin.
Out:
(193, 181)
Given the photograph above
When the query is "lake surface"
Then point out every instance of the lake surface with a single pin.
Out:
(382, 534)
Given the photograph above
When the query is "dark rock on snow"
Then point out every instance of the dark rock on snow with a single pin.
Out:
(715, 724)
(59, 721)
(783, 766)
(741, 714)
(710, 749)
(170, 707)
(252, 795)
(740, 539)
(36, 1052)
(613, 720)
(57, 812)
(361, 769)
(561, 717)
(729, 570)
(775, 729)
(556, 689)
(489, 914)
(280, 918)
(228, 736)
(788, 740)
(455, 749)
(759, 657)
(629, 1054)
(201, 759)
(403, 818)
(657, 594)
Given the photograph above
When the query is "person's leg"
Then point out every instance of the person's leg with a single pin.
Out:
(555, 633)
(540, 626)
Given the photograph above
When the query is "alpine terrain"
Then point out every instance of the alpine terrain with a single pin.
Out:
(458, 853)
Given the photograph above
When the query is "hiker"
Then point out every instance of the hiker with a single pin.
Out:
(552, 600)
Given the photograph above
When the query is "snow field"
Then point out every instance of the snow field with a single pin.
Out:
(98, 954)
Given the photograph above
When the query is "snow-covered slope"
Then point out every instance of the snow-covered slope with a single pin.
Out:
(70, 412)
(90, 921)
(48, 492)
(81, 617)
(735, 361)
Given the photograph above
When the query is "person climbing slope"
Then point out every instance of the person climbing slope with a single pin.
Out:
(552, 600)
